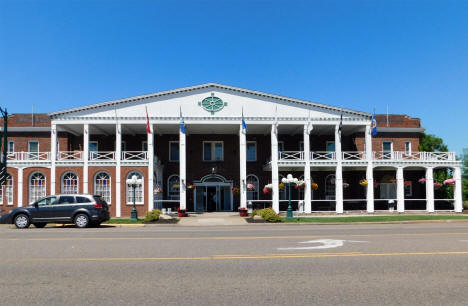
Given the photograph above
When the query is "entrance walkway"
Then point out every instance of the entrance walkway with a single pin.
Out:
(212, 218)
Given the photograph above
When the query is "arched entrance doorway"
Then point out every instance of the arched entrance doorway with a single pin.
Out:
(212, 193)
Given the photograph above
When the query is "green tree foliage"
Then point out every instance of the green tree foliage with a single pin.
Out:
(432, 143)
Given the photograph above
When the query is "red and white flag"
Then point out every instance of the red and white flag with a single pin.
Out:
(148, 129)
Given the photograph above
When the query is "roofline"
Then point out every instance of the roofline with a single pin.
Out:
(207, 85)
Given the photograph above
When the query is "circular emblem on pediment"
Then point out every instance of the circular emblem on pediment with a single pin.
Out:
(212, 104)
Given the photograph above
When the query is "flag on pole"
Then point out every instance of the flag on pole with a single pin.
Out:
(310, 127)
(275, 124)
(182, 123)
(148, 129)
(244, 125)
(340, 126)
(374, 125)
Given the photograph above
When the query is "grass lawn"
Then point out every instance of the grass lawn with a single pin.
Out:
(375, 218)
(122, 221)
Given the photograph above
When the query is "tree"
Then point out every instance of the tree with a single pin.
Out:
(432, 143)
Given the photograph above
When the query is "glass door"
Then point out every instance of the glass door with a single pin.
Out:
(200, 198)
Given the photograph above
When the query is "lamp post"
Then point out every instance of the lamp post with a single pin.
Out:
(133, 182)
(289, 180)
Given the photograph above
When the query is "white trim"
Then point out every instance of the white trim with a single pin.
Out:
(108, 187)
(408, 151)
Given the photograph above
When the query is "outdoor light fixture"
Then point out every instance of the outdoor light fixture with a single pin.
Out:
(134, 182)
(289, 180)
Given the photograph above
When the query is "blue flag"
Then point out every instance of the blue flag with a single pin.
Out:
(182, 124)
(374, 125)
(244, 125)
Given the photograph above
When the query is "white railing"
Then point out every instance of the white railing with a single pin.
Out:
(28, 156)
(350, 155)
(421, 156)
(324, 155)
(101, 155)
(70, 155)
(291, 155)
(380, 155)
(439, 155)
(134, 155)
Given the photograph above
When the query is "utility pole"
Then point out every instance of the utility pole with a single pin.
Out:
(3, 162)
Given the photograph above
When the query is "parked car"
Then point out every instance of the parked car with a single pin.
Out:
(81, 209)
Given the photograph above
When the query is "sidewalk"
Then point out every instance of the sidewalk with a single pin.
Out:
(213, 219)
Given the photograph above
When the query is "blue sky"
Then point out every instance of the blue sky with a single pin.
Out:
(410, 55)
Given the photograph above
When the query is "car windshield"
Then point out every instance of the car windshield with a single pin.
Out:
(47, 201)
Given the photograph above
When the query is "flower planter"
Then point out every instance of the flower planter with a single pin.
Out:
(243, 212)
(181, 213)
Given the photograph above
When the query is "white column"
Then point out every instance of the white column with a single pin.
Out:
(339, 173)
(118, 158)
(243, 167)
(85, 156)
(369, 171)
(150, 156)
(20, 187)
(429, 190)
(307, 181)
(458, 190)
(53, 157)
(400, 190)
(182, 171)
(274, 169)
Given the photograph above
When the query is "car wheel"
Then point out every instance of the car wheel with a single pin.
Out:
(39, 225)
(81, 220)
(22, 221)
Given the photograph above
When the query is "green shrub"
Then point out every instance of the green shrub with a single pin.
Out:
(152, 215)
(268, 214)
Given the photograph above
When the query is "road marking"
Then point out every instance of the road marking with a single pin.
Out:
(323, 244)
(235, 237)
(230, 257)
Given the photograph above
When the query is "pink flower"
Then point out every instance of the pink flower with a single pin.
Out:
(250, 187)
(449, 181)
(422, 180)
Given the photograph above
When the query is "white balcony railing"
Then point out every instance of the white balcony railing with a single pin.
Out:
(291, 155)
(19, 156)
(323, 155)
(134, 155)
(101, 155)
(70, 155)
(350, 155)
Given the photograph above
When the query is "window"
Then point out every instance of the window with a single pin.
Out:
(9, 189)
(387, 191)
(11, 146)
(252, 181)
(173, 185)
(37, 187)
(330, 190)
(93, 149)
(139, 194)
(408, 147)
(301, 145)
(66, 200)
(174, 151)
(387, 149)
(213, 151)
(251, 151)
(102, 186)
(47, 201)
(82, 200)
(408, 188)
(331, 146)
(33, 149)
(123, 146)
(144, 146)
(69, 183)
(280, 146)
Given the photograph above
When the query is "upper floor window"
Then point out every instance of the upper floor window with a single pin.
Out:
(11, 146)
(301, 145)
(280, 146)
(387, 149)
(408, 147)
(173, 150)
(93, 146)
(251, 151)
(213, 150)
(330, 146)
(144, 146)
(123, 146)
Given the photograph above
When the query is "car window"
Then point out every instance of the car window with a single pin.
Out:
(66, 200)
(47, 201)
(82, 200)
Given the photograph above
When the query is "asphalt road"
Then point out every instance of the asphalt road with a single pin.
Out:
(387, 264)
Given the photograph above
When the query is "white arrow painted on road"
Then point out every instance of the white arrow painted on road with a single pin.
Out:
(323, 244)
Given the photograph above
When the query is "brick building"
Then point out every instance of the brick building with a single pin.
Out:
(218, 166)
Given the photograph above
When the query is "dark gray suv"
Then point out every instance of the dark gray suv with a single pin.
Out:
(81, 209)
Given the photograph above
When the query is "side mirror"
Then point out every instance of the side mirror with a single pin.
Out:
(36, 205)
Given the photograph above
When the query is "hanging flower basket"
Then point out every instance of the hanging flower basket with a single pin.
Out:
(300, 184)
(345, 185)
(250, 187)
(449, 181)
(235, 190)
(376, 184)
(437, 185)
(158, 191)
(190, 186)
(314, 186)
(363, 183)
(407, 183)
(268, 186)
(422, 180)
(281, 186)
(266, 190)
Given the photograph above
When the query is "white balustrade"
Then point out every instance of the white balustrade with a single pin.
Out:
(354, 155)
(101, 155)
(70, 155)
(323, 155)
(18, 156)
(291, 155)
(134, 155)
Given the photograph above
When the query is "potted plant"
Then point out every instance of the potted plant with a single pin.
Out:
(235, 190)
(190, 186)
(450, 181)
(243, 212)
(158, 191)
(422, 180)
(437, 185)
(250, 186)
(314, 186)
(181, 212)
(363, 183)
(345, 185)
(376, 183)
